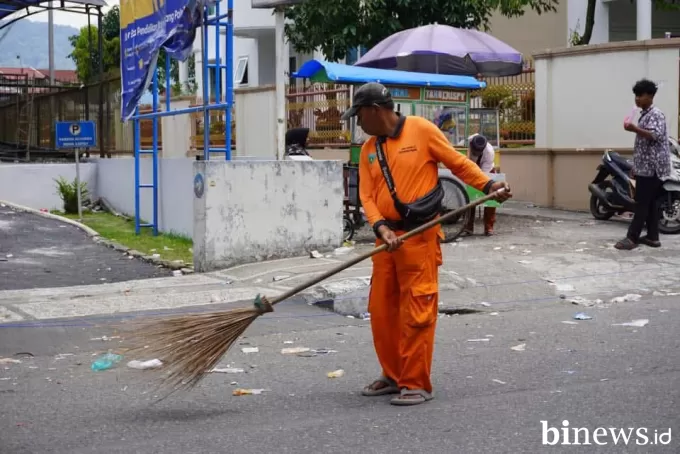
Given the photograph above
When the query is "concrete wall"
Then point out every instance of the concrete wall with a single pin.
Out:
(583, 93)
(116, 183)
(553, 178)
(257, 210)
(33, 185)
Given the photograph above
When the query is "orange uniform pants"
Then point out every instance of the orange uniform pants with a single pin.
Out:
(403, 303)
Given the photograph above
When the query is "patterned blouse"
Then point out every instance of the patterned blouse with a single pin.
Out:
(652, 157)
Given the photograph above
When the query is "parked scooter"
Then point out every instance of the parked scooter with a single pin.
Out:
(612, 190)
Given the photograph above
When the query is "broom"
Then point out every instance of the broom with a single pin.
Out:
(191, 345)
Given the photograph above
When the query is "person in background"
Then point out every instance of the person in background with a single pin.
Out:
(651, 164)
(398, 166)
(482, 153)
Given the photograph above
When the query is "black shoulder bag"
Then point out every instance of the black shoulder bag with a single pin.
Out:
(418, 212)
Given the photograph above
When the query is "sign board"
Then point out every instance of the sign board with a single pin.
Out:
(405, 93)
(76, 134)
(435, 94)
(146, 27)
(259, 4)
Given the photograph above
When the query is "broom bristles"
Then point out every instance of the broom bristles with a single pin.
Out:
(190, 346)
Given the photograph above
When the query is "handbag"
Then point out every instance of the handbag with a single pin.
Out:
(415, 213)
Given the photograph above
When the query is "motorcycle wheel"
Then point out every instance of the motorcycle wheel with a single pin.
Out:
(599, 211)
(454, 193)
(347, 228)
(669, 221)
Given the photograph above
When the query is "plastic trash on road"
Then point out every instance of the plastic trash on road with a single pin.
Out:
(142, 365)
(336, 373)
(106, 361)
(582, 316)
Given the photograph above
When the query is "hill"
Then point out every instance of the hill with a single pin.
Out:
(28, 39)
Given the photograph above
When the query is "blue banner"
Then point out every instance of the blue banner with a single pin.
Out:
(146, 27)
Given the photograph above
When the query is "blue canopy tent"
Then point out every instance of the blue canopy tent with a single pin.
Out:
(323, 71)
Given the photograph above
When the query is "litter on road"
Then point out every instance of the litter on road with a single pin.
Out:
(227, 370)
(143, 365)
(106, 361)
(294, 350)
(479, 340)
(635, 323)
(250, 349)
(500, 382)
(247, 392)
(626, 298)
(519, 348)
(582, 316)
(336, 373)
(9, 361)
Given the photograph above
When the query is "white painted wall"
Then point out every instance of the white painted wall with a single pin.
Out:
(116, 183)
(33, 185)
(256, 122)
(576, 20)
(258, 210)
(581, 100)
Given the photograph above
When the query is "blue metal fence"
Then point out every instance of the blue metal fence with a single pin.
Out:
(223, 101)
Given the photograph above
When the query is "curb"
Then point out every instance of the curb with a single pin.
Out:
(172, 265)
(90, 232)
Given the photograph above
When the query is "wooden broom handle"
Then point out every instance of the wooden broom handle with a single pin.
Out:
(383, 247)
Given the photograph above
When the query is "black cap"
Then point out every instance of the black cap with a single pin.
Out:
(478, 143)
(369, 94)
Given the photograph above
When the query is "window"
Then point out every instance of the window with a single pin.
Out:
(241, 72)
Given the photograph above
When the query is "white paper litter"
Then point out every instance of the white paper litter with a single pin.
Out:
(635, 323)
(625, 298)
(519, 348)
(479, 340)
(142, 365)
(523, 262)
(498, 381)
(569, 322)
(9, 361)
(564, 287)
(293, 350)
(485, 304)
(227, 370)
(315, 255)
(250, 349)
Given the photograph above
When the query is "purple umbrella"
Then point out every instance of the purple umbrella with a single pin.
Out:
(440, 49)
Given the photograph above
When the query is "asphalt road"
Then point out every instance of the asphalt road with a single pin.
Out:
(36, 252)
(489, 398)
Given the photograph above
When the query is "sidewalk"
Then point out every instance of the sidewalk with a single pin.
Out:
(535, 258)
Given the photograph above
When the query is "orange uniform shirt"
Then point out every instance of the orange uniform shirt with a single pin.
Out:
(413, 157)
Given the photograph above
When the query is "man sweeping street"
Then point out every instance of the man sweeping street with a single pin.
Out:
(399, 190)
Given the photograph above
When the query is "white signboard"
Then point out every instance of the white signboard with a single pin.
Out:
(257, 4)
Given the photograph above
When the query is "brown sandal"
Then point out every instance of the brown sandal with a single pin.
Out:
(389, 387)
(626, 244)
(651, 243)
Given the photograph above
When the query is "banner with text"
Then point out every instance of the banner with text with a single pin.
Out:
(146, 27)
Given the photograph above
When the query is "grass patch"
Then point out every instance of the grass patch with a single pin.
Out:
(121, 230)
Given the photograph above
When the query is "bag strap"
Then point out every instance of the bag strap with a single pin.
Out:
(384, 167)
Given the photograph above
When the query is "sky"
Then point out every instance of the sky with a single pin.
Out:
(72, 19)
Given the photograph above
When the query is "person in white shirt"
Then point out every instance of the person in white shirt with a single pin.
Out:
(482, 153)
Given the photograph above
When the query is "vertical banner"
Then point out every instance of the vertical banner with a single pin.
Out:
(146, 27)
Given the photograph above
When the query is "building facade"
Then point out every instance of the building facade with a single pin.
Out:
(615, 20)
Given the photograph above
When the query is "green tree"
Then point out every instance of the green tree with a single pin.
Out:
(339, 25)
(87, 62)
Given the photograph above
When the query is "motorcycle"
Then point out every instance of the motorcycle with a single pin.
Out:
(612, 190)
